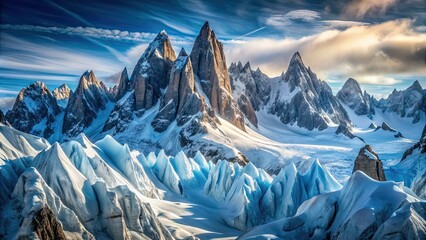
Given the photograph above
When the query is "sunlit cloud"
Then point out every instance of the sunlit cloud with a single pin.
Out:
(390, 48)
(360, 8)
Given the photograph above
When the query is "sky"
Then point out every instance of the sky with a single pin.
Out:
(380, 43)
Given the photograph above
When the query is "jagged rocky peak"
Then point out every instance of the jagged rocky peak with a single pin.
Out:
(209, 64)
(62, 92)
(89, 98)
(300, 97)
(33, 105)
(180, 100)
(123, 84)
(250, 88)
(352, 95)
(151, 73)
(410, 102)
(368, 162)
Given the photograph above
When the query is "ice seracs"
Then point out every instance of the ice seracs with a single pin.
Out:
(363, 208)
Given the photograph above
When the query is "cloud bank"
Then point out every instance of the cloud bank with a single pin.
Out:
(370, 53)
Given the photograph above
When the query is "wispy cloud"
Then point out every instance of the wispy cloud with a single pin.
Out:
(6, 103)
(86, 32)
(360, 8)
(291, 17)
(70, 13)
(19, 54)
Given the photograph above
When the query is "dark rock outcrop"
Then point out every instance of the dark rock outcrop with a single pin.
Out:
(386, 127)
(368, 162)
(152, 72)
(47, 226)
(352, 95)
(3, 119)
(372, 126)
(300, 97)
(89, 98)
(123, 85)
(35, 104)
(209, 64)
(180, 100)
(420, 145)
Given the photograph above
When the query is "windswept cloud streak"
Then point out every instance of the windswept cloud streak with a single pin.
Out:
(360, 8)
(371, 53)
(290, 17)
(86, 32)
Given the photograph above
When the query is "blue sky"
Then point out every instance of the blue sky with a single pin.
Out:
(381, 43)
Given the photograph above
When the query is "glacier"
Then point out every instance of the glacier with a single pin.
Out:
(106, 190)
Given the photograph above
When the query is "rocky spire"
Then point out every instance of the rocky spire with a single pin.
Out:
(123, 85)
(89, 98)
(151, 73)
(180, 100)
(208, 61)
(368, 161)
(351, 94)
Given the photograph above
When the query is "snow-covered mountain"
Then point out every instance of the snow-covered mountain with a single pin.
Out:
(408, 103)
(352, 95)
(250, 88)
(84, 105)
(35, 111)
(299, 97)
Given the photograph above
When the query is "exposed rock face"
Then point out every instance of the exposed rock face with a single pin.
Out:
(123, 85)
(180, 100)
(209, 64)
(245, 105)
(47, 226)
(368, 162)
(3, 119)
(343, 129)
(410, 102)
(252, 85)
(352, 95)
(298, 96)
(386, 127)
(34, 105)
(89, 98)
(152, 72)
(122, 114)
(420, 145)
(62, 94)
(372, 126)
